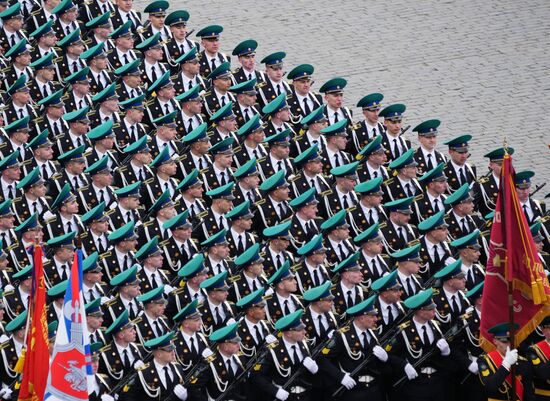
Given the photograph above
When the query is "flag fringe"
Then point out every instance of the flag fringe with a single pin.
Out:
(20, 362)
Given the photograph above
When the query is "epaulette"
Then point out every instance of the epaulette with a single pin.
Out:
(148, 223)
(111, 302)
(382, 225)
(413, 242)
(148, 181)
(293, 178)
(260, 160)
(5, 344)
(56, 176)
(327, 192)
(234, 278)
(105, 348)
(116, 125)
(268, 296)
(109, 212)
(260, 202)
(36, 12)
(84, 188)
(3, 145)
(204, 170)
(54, 218)
(57, 59)
(344, 329)
(295, 267)
(137, 320)
(388, 181)
(7, 293)
(164, 243)
(122, 168)
(105, 254)
(237, 149)
(18, 199)
(202, 214)
(182, 157)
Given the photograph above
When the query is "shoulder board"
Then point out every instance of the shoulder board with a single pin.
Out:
(111, 302)
(137, 320)
(260, 202)
(327, 192)
(148, 223)
(109, 212)
(56, 176)
(344, 329)
(382, 225)
(388, 181)
(202, 214)
(261, 160)
(293, 178)
(54, 218)
(7, 293)
(122, 168)
(148, 181)
(105, 254)
(84, 188)
(106, 348)
(234, 278)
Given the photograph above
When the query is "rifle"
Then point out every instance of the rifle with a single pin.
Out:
(194, 373)
(537, 189)
(455, 330)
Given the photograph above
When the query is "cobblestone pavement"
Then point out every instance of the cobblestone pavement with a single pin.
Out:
(480, 67)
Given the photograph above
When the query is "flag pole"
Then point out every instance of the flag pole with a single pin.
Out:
(512, 334)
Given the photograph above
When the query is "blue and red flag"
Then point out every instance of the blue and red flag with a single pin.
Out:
(71, 371)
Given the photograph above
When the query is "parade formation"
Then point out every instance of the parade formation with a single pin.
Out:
(244, 237)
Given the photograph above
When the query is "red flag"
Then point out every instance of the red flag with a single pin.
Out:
(37, 357)
(513, 259)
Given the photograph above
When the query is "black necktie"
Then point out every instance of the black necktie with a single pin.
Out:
(279, 262)
(158, 328)
(307, 110)
(316, 278)
(240, 248)
(133, 132)
(408, 190)
(286, 308)
(153, 74)
(128, 216)
(140, 175)
(312, 182)
(193, 347)
(101, 195)
(56, 130)
(454, 305)
(343, 253)
(390, 315)
(336, 160)
(246, 115)
(64, 274)
(126, 61)
(336, 119)
(281, 210)
(279, 165)
(374, 267)
(345, 202)
(259, 333)
(366, 343)
(12, 39)
(167, 108)
(465, 228)
(131, 310)
(278, 89)
(436, 259)
(462, 176)
(167, 378)
(190, 125)
(370, 218)
(349, 299)
(374, 132)
(126, 359)
(223, 181)
(217, 315)
(436, 205)
(213, 64)
(154, 280)
(126, 262)
(410, 290)
(10, 192)
(526, 213)
(223, 101)
(222, 225)
(402, 235)
(322, 328)
(295, 356)
(425, 337)
(429, 164)
(395, 151)
(35, 207)
(310, 228)
(44, 172)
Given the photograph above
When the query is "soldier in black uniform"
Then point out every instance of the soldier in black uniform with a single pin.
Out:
(218, 95)
(462, 219)
(369, 128)
(216, 310)
(404, 184)
(434, 183)
(78, 97)
(278, 157)
(128, 207)
(458, 171)
(319, 318)
(249, 275)
(180, 247)
(210, 58)
(335, 111)
(309, 168)
(246, 55)
(408, 265)
(43, 84)
(123, 53)
(273, 85)
(334, 154)
(152, 276)
(20, 106)
(54, 302)
(283, 301)
(243, 107)
(287, 356)
(434, 250)
(190, 116)
(348, 291)
(309, 132)
(303, 101)
(178, 44)
(34, 198)
(239, 236)
(274, 208)
(220, 173)
(343, 197)
(247, 179)
(388, 302)
(369, 209)
(189, 76)
(392, 138)
(137, 156)
(27, 231)
(193, 273)
(191, 199)
(532, 209)
(10, 348)
(10, 173)
(277, 116)
(152, 323)
(93, 288)
(120, 255)
(540, 367)
(107, 106)
(336, 231)
(72, 46)
(100, 389)
(311, 271)
(467, 249)
(103, 143)
(213, 219)
(130, 129)
(351, 346)
(45, 40)
(12, 24)
(100, 76)
(20, 58)
(252, 138)
(16, 299)
(371, 259)
(425, 155)
(57, 269)
(155, 23)
(96, 27)
(276, 252)
(305, 221)
(124, 12)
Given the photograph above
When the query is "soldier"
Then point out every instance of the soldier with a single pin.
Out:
(43, 84)
(103, 140)
(218, 95)
(61, 249)
(368, 128)
(277, 116)
(178, 44)
(180, 247)
(29, 230)
(120, 255)
(343, 197)
(253, 329)
(369, 209)
(191, 190)
(20, 58)
(190, 116)
(247, 179)
(153, 67)
(193, 273)
(34, 198)
(388, 303)
(220, 173)
(217, 252)
(12, 24)
(404, 184)
(532, 209)
(126, 289)
(538, 357)
(65, 219)
(334, 154)
(309, 175)
(100, 77)
(65, 23)
(151, 276)
(239, 236)
(249, 274)
(163, 181)
(20, 105)
(14, 148)
(16, 300)
(11, 348)
(45, 39)
(336, 231)
(130, 129)
(425, 155)
(163, 108)
(371, 260)
(451, 301)
(274, 208)
(434, 183)
(128, 207)
(486, 188)
(408, 265)
(312, 272)
(274, 85)
(319, 318)
(246, 55)
(101, 385)
(214, 218)
(461, 218)
(89, 11)
(130, 88)
(467, 248)
(278, 158)
(217, 311)
(374, 165)
(78, 125)
(124, 12)
(7, 219)
(352, 346)
(155, 23)
(211, 58)
(428, 380)
(245, 100)
(152, 323)
(94, 320)
(92, 286)
(135, 167)
(392, 138)
(5, 281)
(335, 111)
(189, 76)
(302, 100)
(54, 302)
(539, 244)
(42, 150)
(275, 249)
(283, 302)
(98, 28)
(191, 347)
(161, 211)
(224, 125)
(310, 134)
(304, 226)
(72, 46)
(289, 355)
(457, 169)
(97, 222)
(123, 53)
(495, 366)
(434, 250)
(348, 291)
(122, 355)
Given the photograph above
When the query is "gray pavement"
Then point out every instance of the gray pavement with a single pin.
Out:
(480, 67)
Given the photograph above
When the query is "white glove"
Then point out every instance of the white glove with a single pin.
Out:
(348, 382)
(330, 333)
(443, 346)
(180, 392)
(231, 321)
(310, 365)
(4, 338)
(5, 393)
(473, 368)
(9, 287)
(138, 365)
(410, 372)
(281, 394)
(168, 289)
(380, 353)
(510, 358)
(107, 397)
(207, 353)
(270, 338)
